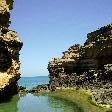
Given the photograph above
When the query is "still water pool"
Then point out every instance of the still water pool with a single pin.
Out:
(34, 103)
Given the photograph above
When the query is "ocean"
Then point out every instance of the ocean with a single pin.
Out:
(30, 82)
(35, 103)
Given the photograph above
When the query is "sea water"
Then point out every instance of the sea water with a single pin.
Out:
(34, 103)
(30, 82)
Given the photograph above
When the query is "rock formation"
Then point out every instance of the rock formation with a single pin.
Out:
(10, 45)
(88, 66)
(43, 88)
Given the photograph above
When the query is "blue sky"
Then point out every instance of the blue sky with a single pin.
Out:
(49, 27)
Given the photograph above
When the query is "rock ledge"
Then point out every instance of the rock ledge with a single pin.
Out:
(88, 66)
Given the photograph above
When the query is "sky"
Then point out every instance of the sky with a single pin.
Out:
(49, 27)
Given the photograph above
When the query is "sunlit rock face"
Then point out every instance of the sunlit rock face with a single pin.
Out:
(10, 45)
(87, 66)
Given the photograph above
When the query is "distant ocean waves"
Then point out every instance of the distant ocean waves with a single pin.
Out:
(30, 82)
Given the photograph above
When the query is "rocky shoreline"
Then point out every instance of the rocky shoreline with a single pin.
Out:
(87, 66)
(10, 45)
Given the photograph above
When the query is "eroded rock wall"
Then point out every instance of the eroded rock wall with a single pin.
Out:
(10, 45)
(88, 66)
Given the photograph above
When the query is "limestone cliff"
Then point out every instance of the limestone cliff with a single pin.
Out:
(10, 45)
(88, 66)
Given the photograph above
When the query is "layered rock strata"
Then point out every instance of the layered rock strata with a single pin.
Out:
(88, 66)
(10, 45)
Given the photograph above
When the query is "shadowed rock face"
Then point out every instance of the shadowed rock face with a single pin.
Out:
(87, 66)
(10, 45)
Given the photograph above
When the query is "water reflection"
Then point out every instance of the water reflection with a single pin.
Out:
(10, 106)
(66, 106)
(31, 103)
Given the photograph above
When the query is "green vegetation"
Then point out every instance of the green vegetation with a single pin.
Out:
(11, 105)
(78, 98)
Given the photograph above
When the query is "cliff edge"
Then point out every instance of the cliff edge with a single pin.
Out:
(87, 66)
(10, 45)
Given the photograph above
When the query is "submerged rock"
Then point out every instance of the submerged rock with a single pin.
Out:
(88, 66)
(10, 45)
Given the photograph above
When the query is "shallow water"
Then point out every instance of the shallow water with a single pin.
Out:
(34, 103)
(31, 103)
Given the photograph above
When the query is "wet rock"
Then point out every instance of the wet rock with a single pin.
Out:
(22, 89)
(40, 88)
